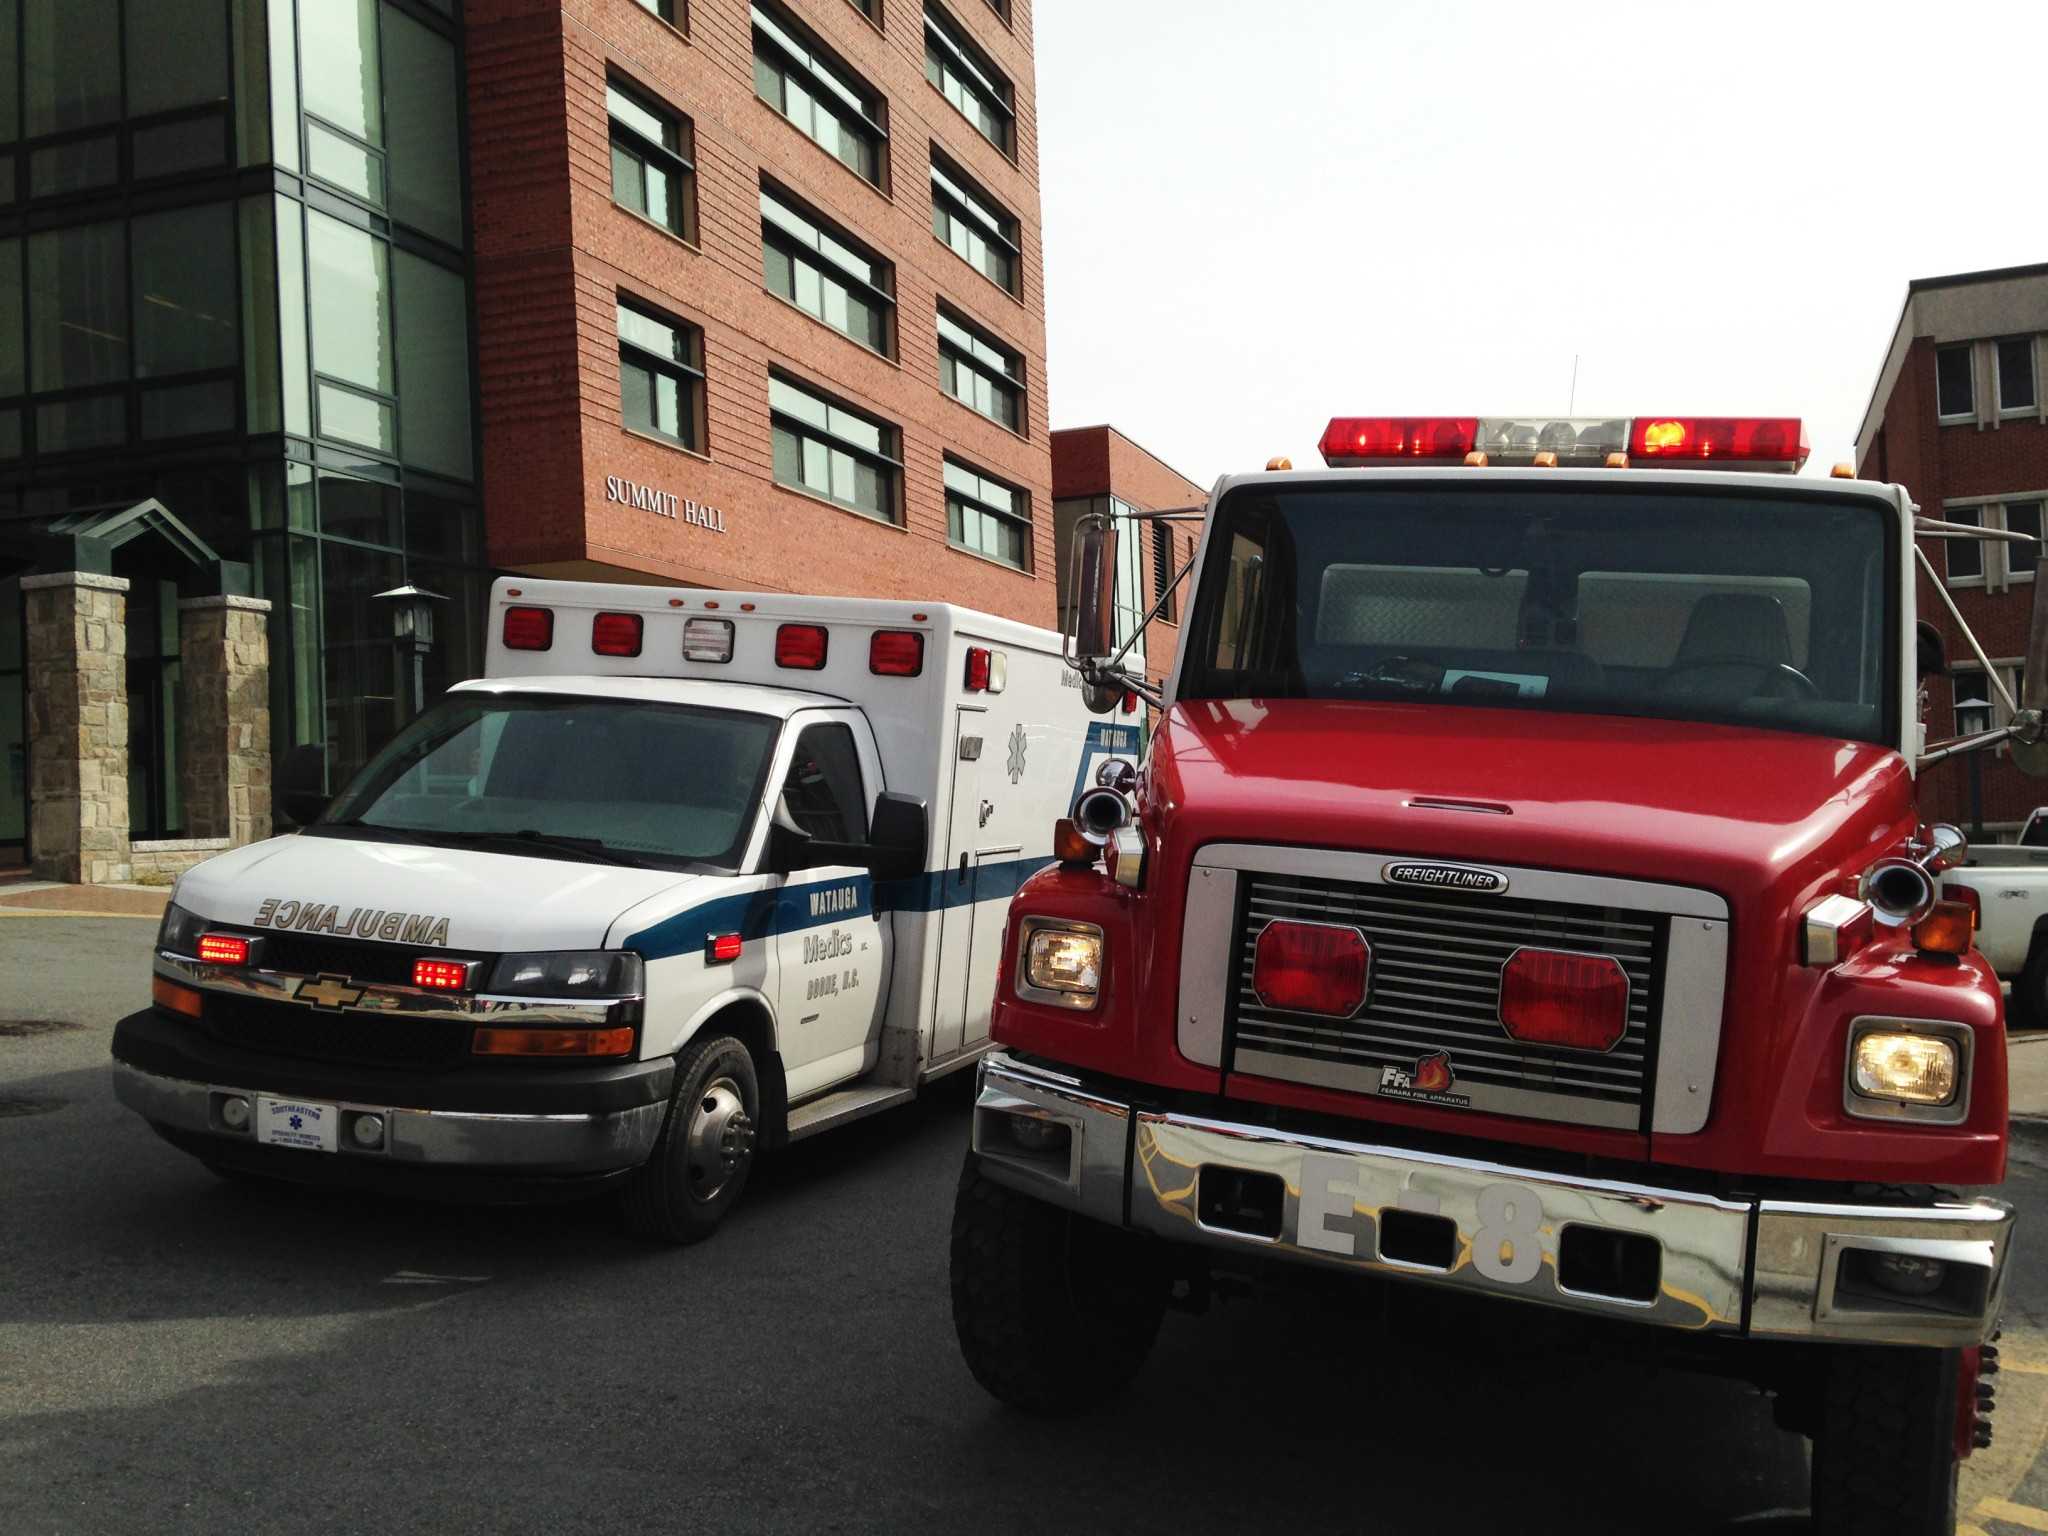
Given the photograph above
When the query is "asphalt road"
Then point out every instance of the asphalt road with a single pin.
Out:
(181, 1354)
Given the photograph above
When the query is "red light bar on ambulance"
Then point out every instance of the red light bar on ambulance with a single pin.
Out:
(1692, 442)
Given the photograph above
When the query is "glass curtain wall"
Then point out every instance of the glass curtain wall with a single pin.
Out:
(234, 276)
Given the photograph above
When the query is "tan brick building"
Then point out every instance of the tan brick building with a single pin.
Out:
(760, 298)
(1960, 418)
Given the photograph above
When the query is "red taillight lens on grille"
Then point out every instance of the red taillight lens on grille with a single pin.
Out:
(801, 646)
(616, 634)
(1311, 968)
(441, 975)
(1553, 997)
(529, 629)
(896, 653)
(223, 949)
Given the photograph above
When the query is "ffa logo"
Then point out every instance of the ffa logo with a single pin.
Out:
(1429, 1081)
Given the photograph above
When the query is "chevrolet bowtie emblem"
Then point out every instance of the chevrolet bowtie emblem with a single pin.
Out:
(328, 992)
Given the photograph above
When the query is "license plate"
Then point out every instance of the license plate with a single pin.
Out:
(295, 1123)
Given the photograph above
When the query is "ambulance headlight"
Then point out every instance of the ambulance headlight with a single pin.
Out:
(569, 973)
(180, 931)
(1059, 962)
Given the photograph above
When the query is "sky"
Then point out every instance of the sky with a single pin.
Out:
(1260, 214)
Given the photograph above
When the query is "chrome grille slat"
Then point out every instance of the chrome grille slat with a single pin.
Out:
(1435, 985)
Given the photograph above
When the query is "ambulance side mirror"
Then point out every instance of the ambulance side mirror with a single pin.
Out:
(1095, 591)
(900, 836)
(302, 784)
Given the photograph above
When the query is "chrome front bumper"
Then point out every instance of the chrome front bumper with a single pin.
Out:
(1763, 1268)
(554, 1144)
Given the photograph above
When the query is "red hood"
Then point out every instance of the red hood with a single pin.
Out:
(1736, 811)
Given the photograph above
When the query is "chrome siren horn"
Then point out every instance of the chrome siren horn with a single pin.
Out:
(1099, 812)
(1899, 890)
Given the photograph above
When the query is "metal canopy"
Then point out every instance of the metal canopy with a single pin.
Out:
(86, 538)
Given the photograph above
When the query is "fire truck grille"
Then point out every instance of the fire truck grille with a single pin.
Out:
(1434, 986)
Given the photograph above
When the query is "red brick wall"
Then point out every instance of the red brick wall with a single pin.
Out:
(544, 476)
(1935, 463)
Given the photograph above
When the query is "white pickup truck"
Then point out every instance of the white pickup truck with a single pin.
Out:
(2008, 885)
(688, 872)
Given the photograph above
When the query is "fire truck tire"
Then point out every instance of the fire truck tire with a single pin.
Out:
(1884, 1446)
(1054, 1312)
(706, 1147)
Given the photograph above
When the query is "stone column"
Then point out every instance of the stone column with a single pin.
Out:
(224, 717)
(77, 726)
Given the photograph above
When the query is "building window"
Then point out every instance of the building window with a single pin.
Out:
(981, 373)
(661, 376)
(1002, 10)
(652, 173)
(966, 78)
(822, 97)
(665, 9)
(872, 9)
(974, 226)
(987, 516)
(833, 452)
(2016, 374)
(826, 274)
(1995, 564)
(1165, 563)
(1955, 381)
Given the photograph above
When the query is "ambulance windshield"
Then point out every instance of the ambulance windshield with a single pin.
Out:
(1741, 607)
(619, 781)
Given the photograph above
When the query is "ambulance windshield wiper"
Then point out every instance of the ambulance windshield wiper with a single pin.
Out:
(530, 838)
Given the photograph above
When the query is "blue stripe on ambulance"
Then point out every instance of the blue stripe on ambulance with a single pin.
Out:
(757, 914)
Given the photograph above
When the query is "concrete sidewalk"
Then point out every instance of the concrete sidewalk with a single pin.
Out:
(2027, 1074)
(44, 898)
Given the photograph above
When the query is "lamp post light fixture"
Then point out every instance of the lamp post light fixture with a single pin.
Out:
(412, 629)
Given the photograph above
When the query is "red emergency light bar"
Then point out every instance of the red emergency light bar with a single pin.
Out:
(1693, 442)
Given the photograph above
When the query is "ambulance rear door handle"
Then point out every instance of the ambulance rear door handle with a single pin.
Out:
(963, 869)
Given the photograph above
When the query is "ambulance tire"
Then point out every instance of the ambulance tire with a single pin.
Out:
(1054, 1312)
(1884, 1446)
(701, 1160)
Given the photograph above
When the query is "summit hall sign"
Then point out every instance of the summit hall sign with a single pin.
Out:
(663, 503)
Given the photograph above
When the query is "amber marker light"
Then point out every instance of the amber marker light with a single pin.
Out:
(166, 993)
(553, 1042)
(1945, 930)
(1069, 846)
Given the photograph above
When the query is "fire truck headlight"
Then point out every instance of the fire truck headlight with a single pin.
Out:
(1060, 962)
(1902, 1067)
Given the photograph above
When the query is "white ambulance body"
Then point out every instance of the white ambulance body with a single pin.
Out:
(685, 873)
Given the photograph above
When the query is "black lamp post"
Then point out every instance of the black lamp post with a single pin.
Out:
(412, 630)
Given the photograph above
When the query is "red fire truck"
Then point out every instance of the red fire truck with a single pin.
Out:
(1522, 897)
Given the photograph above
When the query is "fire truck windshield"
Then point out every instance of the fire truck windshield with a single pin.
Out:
(1770, 609)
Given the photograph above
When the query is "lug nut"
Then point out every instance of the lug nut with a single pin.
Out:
(234, 1113)
(1987, 1360)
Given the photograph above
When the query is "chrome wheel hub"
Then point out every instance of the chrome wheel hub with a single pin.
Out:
(720, 1138)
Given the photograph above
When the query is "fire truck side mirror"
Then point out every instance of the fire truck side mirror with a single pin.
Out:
(1932, 652)
(2029, 740)
(1095, 592)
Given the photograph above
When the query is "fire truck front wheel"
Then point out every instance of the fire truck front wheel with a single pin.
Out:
(1885, 1451)
(1054, 1312)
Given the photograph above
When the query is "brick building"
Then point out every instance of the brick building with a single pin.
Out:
(759, 295)
(324, 310)
(1960, 418)
(1097, 469)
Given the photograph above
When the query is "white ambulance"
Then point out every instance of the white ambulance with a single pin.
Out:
(687, 874)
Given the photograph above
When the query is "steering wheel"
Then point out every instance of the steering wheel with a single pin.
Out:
(1768, 671)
